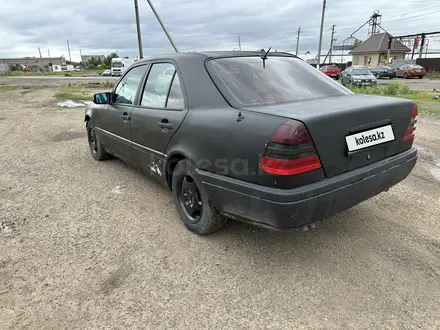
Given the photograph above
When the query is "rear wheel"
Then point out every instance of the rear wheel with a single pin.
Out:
(405, 75)
(377, 75)
(420, 77)
(192, 201)
(97, 150)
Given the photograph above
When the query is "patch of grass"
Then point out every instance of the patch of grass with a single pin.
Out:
(74, 93)
(424, 100)
(109, 84)
(73, 73)
(392, 89)
(5, 88)
(29, 90)
(433, 74)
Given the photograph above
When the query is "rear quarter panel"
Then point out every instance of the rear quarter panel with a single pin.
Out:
(215, 141)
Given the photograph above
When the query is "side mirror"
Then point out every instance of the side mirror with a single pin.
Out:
(348, 75)
(102, 98)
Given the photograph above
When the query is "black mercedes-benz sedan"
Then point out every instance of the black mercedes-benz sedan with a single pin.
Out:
(254, 136)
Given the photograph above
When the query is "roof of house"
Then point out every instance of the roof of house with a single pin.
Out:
(378, 43)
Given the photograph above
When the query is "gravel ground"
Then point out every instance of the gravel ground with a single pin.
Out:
(424, 84)
(87, 244)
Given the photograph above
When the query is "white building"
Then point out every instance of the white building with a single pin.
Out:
(63, 68)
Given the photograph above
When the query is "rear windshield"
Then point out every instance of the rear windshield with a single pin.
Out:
(243, 80)
(332, 68)
(361, 72)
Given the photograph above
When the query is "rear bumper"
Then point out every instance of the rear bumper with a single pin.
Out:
(285, 209)
(333, 75)
(387, 74)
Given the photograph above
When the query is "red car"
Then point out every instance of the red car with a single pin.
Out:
(331, 71)
(410, 70)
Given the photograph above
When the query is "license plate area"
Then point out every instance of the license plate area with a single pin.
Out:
(369, 138)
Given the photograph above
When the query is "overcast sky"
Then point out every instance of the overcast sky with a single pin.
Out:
(103, 26)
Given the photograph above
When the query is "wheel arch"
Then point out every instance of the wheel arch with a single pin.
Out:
(170, 165)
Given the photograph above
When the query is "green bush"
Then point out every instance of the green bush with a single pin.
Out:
(392, 89)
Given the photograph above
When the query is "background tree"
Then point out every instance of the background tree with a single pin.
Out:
(108, 59)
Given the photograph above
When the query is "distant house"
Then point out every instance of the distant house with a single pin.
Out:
(4, 67)
(34, 61)
(374, 50)
(62, 68)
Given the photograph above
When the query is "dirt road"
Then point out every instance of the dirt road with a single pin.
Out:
(88, 244)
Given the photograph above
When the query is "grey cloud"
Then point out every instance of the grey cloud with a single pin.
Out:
(103, 26)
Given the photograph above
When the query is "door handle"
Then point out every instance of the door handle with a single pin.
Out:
(125, 117)
(164, 123)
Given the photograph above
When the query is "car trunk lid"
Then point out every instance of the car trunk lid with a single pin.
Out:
(330, 120)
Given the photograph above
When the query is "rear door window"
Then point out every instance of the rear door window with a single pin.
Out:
(162, 89)
(244, 81)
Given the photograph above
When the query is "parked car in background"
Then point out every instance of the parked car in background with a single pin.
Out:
(358, 76)
(258, 137)
(107, 73)
(410, 70)
(331, 71)
(383, 72)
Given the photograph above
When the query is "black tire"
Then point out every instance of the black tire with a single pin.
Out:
(391, 77)
(377, 76)
(405, 75)
(97, 150)
(204, 218)
(421, 77)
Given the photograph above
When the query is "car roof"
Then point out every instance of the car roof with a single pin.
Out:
(211, 54)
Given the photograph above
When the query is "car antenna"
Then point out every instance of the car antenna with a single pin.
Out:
(263, 55)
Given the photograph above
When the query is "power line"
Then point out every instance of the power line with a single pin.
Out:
(420, 15)
(414, 11)
(346, 27)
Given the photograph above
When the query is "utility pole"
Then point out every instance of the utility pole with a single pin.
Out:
(239, 43)
(39, 52)
(331, 44)
(320, 33)
(68, 48)
(138, 28)
(48, 53)
(163, 26)
(297, 40)
(422, 44)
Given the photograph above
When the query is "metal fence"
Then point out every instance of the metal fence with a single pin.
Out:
(430, 64)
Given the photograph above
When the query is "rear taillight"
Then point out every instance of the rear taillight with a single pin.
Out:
(290, 151)
(410, 131)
